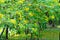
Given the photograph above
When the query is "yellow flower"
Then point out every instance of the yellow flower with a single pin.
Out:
(20, 24)
(2, 1)
(29, 4)
(21, 1)
(59, 4)
(52, 16)
(55, 0)
(1, 15)
(26, 9)
(20, 18)
(25, 21)
(13, 21)
(31, 14)
(18, 13)
(33, 29)
(0, 30)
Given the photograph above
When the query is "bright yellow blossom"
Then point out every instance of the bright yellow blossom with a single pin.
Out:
(26, 9)
(29, 4)
(33, 29)
(13, 21)
(20, 18)
(21, 1)
(2, 1)
(59, 4)
(1, 15)
(52, 16)
(20, 24)
(55, 0)
(18, 13)
(25, 21)
(0, 30)
(31, 14)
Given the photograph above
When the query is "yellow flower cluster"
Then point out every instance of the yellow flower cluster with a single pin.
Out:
(26, 21)
(59, 4)
(20, 24)
(1, 15)
(18, 12)
(2, 1)
(21, 1)
(20, 15)
(34, 29)
(55, 0)
(13, 21)
(0, 30)
(52, 16)
(29, 4)
(20, 18)
(26, 9)
(31, 14)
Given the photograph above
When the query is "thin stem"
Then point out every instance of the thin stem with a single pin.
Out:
(7, 33)
(2, 31)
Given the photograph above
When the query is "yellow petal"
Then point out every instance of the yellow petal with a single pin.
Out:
(20, 18)
(26, 9)
(1, 15)
(2, 1)
(13, 21)
(25, 21)
(52, 16)
(29, 4)
(31, 14)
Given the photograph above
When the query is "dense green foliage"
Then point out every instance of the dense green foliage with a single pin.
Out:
(28, 16)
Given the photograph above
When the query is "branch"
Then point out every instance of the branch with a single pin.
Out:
(2, 32)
